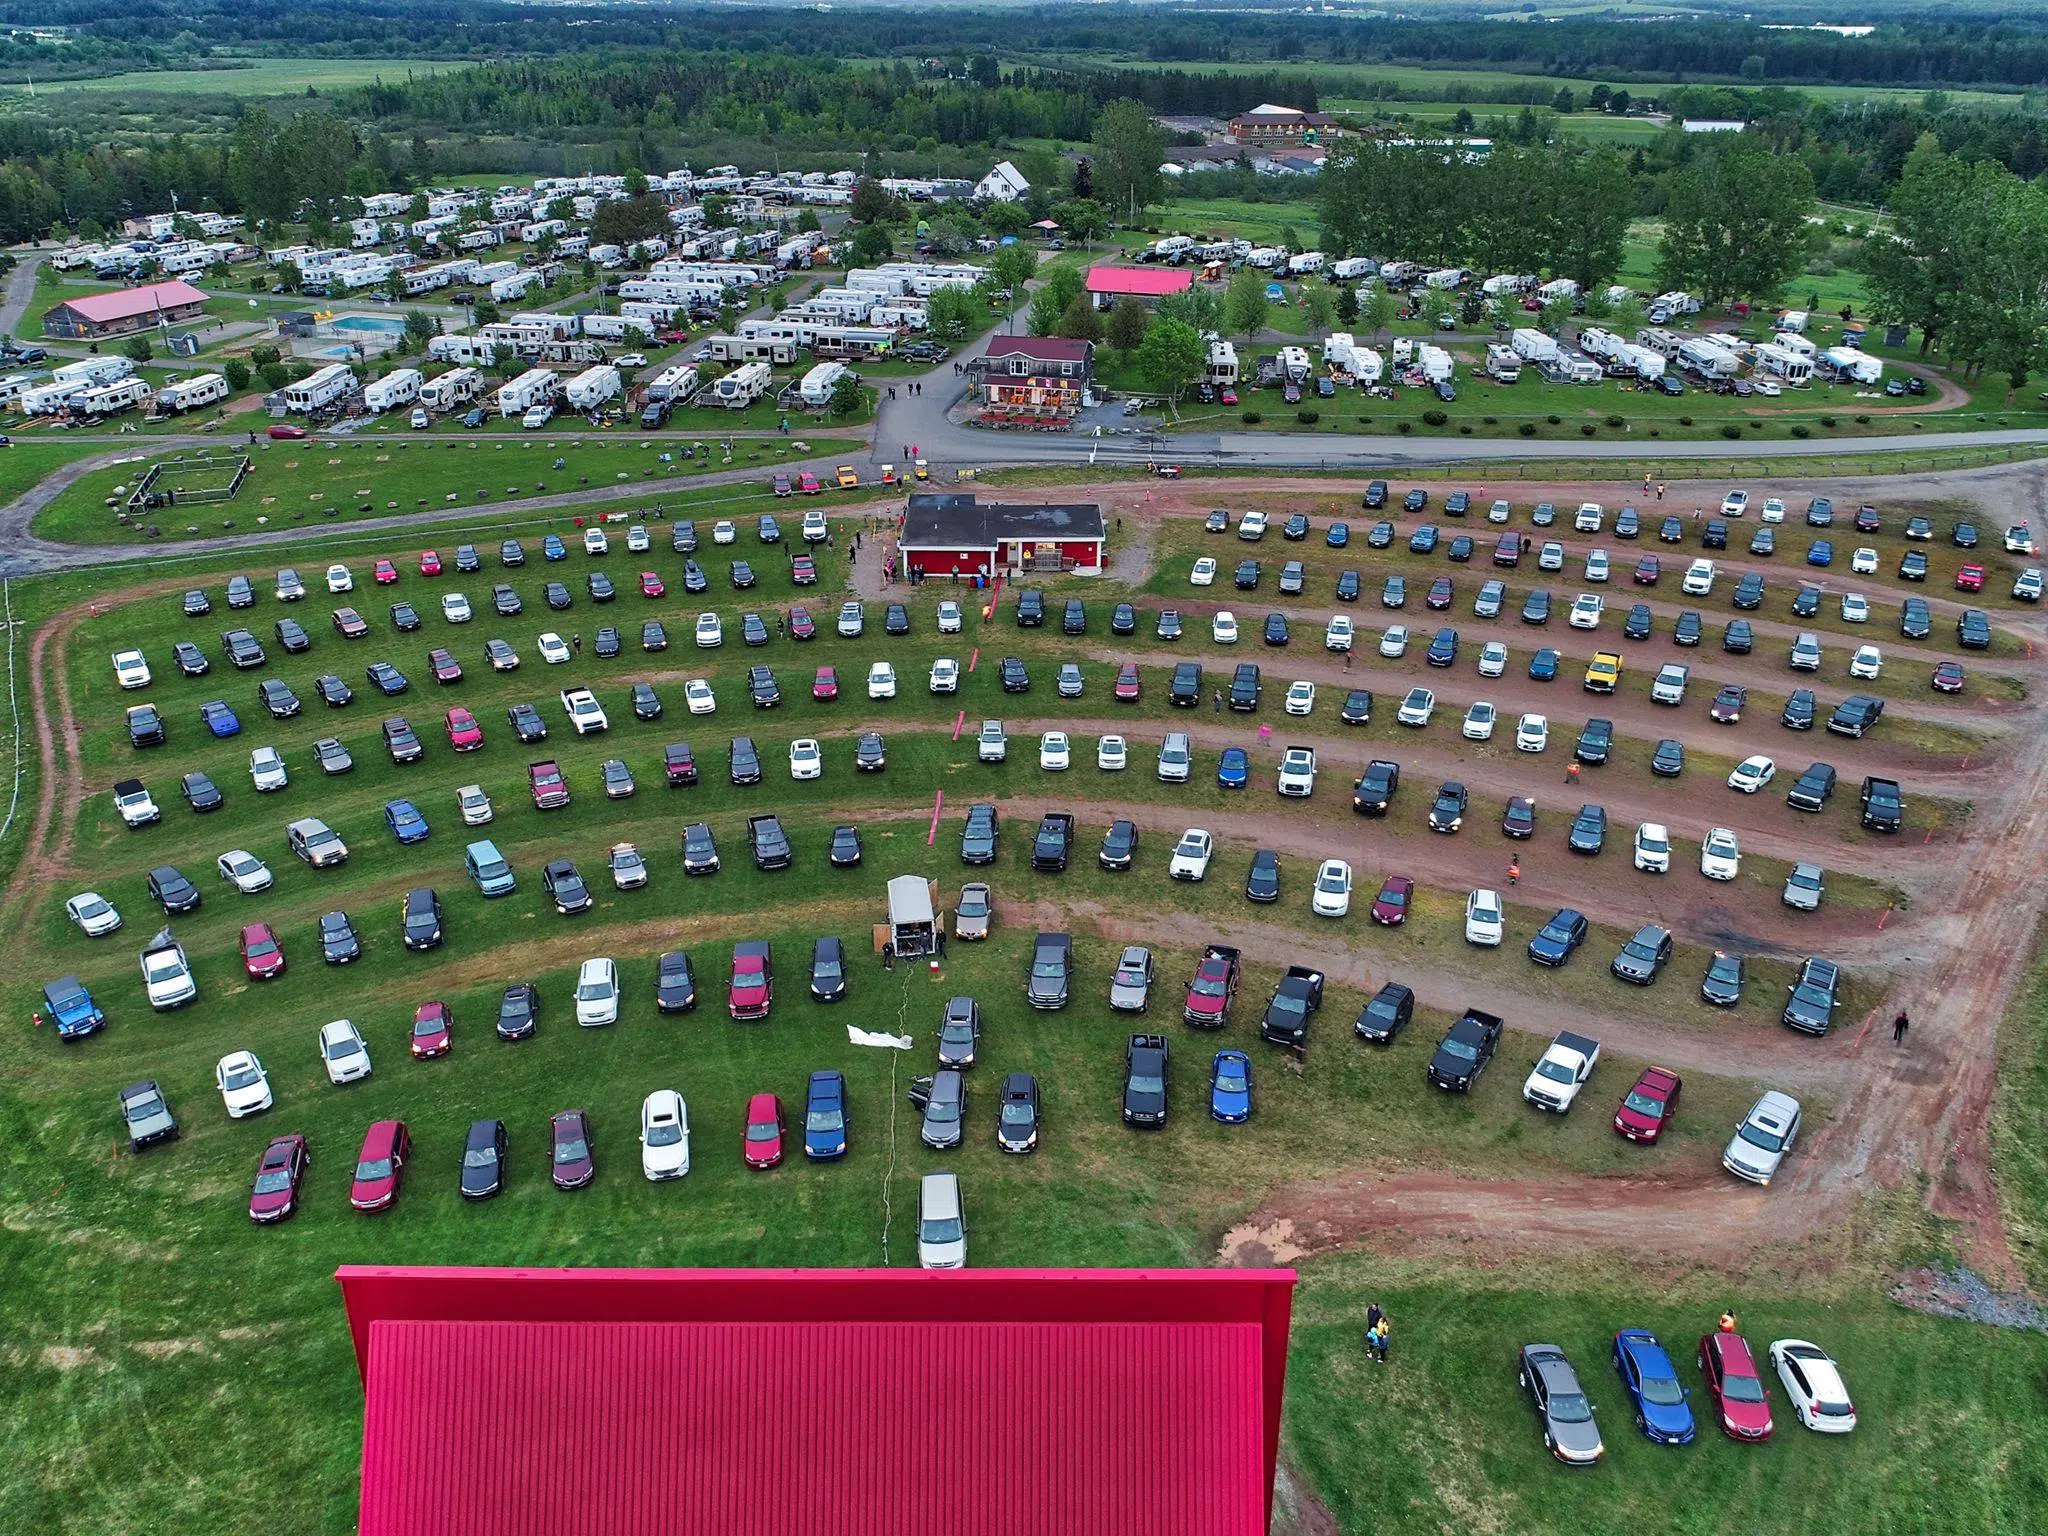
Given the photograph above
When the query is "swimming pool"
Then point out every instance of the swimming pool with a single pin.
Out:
(375, 324)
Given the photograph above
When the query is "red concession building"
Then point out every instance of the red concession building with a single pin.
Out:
(952, 531)
(899, 1402)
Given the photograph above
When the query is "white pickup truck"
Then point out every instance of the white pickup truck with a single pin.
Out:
(1297, 771)
(992, 745)
(584, 712)
(1561, 1072)
(167, 974)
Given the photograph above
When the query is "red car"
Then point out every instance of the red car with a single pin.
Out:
(801, 624)
(803, 571)
(1209, 994)
(550, 789)
(764, 1131)
(262, 955)
(1439, 596)
(350, 623)
(651, 584)
(679, 763)
(1970, 579)
(380, 1166)
(569, 1142)
(1127, 685)
(825, 686)
(442, 663)
(464, 734)
(1390, 907)
(751, 992)
(1948, 677)
(1647, 1108)
(430, 563)
(1648, 569)
(808, 483)
(1730, 1374)
(1227, 395)
(287, 434)
(384, 572)
(433, 1031)
(275, 1194)
(781, 483)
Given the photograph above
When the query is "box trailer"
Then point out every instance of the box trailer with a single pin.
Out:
(534, 387)
(319, 390)
(592, 387)
(397, 388)
(190, 394)
(742, 387)
(121, 395)
(458, 386)
(817, 386)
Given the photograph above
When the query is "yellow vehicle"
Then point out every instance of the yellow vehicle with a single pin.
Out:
(1603, 672)
(924, 470)
(848, 480)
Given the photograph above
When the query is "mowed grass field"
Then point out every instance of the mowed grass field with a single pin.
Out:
(263, 77)
(159, 1342)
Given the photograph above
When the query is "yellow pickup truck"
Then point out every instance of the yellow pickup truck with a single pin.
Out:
(848, 480)
(1603, 672)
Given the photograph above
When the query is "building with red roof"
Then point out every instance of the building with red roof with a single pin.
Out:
(93, 315)
(1108, 284)
(896, 1402)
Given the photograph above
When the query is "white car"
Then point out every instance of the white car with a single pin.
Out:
(130, 670)
(93, 913)
(1301, 698)
(1855, 608)
(945, 675)
(853, 619)
(1417, 707)
(1252, 526)
(1768, 388)
(1223, 628)
(595, 543)
(1752, 774)
(244, 1087)
(1337, 635)
(710, 631)
(637, 541)
(1550, 557)
(340, 579)
(1532, 733)
(343, 1052)
(1054, 753)
(1814, 1385)
(455, 608)
(1774, 509)
(1297, 774)
(1720, 854)
(419, 421)
(1735, 503)
(1653, 848)
(806, 758)
(1867, 662)
(941, 1219)
(1204, 573)
(1596, 565)
(1485, 923)
(664, 1135)
(554, 650)
(697, 695)
(949, 617)
(1698, 580)
(267, 770)
(242, 869)
(723, 531)
(1332, 897)
(1863, 562)
(1587, 518)
(629, 869)
(1479, 720)
(597, 992)
(1191, 855)
(1586, 610)
(1112, 755)
(1394, 643)
(881, 681)
(474, 805)
(1493, 659)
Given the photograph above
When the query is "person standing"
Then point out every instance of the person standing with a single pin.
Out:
(1514, 871)
(1571, 773)
(1373, 1314)
(1899, 1025)
(1386, 1337)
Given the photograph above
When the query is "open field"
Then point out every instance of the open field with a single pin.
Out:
(263, 77)
(1344, 1162)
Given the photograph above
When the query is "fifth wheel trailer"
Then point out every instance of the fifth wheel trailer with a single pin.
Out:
(742, 387)
(592, 387)
(458, 386)
(190, 394)
(400, 387)
(319, 390)
(534, 387)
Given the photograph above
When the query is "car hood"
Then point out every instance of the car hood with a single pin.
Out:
(1579, 1440)
(1127, 993)
(1753, 1158)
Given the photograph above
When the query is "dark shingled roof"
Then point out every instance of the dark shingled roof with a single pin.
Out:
(956, 520)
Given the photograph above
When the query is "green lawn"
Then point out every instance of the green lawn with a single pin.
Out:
(263, 77)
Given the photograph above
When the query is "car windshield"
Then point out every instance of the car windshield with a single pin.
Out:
(1642, 1104)
(665, 1134)
(1464, 1050)
(1570, 1408)
(1147, 1083)
(1230, 1078)
(945, 1229)
(824, 1120)
(276, 1182)
(1017, 1114)
(1636, 949)
(373, 1168)
(1393, 897)
(575, 1150)
(1742, 1389)
(480, 1157)
(762, 1130)
(1653, 844)
(242, 1077)
(942, 1111)
(593, 991)
(430, 1024)
(1662, 1390)
(973, 906)
(1556, 1071)
(1761, 1136)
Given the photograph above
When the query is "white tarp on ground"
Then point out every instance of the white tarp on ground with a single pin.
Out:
(875, 1037)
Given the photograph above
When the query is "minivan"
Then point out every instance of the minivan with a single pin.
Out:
(487, 867)
(1176, 758)
(941, 1225)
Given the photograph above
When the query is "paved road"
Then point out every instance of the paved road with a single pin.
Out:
(21, 291)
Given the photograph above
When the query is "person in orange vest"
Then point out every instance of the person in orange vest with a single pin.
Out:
(1571, 773)
(1514, 871)
(1727, 1322)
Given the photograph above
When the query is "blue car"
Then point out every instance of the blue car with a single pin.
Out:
(1543, 666)
(72, 1007)
(1234, 771)
(825, 1117)
(1821, 552)
(551, 548)
(218, 718)
(1230, 1087)
(1338, 536)
(405, 821)
(1661, 1409)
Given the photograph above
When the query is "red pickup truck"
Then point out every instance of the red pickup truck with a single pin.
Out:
(1214, 985)
(550, 789)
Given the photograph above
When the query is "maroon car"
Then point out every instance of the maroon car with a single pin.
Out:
(764, 1131)
(1439, 596)
(350, 623)
(275, 1194)
(825, 686)
(801, 625)
(803, 571)
(380, 1166)
(1948, 677)
(433, 1030)
(1128, 687)
(1390, 907)
(679, 763)
(1648, 1107)
(442, 663)
(262, 955)
(1648, 569)
(569, 1137)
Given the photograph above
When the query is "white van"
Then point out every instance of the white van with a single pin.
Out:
(1176, 758)
(941, 1223)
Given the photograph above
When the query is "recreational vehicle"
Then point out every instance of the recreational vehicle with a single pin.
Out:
(534, 387)
(1784, 363)
(1848, 363)
(190, 394)
(112, 399)
(1221, 367)
(319, 390)
(397, 388)
(1532, 346)
(1504, 364)
(458, 386)
(1351, 268)
(742, 387)
(1294, 364)
(93, 371)
(592, 387)
(817, 386)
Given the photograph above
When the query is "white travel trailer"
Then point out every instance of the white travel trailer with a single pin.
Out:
(1445, 278)
(675, 383)
(458, 386)
(1848, 363)
(397, 388)
(1351, 268)
(592, 387)
(13, 387)
(1784, 363)
(1294, 364)
(507, 290)
(742, 387)
(462, 349)
(1533, 346)
(48, 399)
(615, 327)
(1709, 361)
(1266, 257)
(1435, 363)
(607, 256)
(1604, 345)
(1643, 362)
(190, 394)
(93, 371)
(1558, 289)
(1797, 345)
(121, 395)
(1657, 339)
(1794, 320)
(1221, 365)
(1571, 368)
(534, 387)
(1172, 246)
(1367, 366)
(319, 390)
(817, 386)
(1305, 263)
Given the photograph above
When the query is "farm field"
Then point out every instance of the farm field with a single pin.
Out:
(263, 77)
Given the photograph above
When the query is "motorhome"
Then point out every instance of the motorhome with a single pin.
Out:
(592, 387)
(190, 394)
(534, 387)
(458, 386)
(399, 387)
(742, 387)
(1221, 365)
(319, 390)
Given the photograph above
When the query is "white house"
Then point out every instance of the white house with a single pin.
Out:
(1004, 184)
